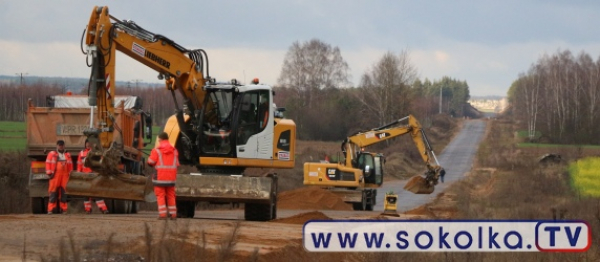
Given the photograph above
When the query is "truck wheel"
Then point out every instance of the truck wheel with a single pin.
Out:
(259, 212)
(39, 205)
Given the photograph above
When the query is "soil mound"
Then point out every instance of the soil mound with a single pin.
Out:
(421, 211)
(300, 219)
(311, 198)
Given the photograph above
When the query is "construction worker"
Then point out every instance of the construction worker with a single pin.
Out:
(87, 204)
(58, 166)
(164, 159)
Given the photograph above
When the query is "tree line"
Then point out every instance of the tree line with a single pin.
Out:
(313, 86)
(559, 97)
(14, 99)
(315, 89)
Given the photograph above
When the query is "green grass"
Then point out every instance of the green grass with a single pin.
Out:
(12, 136)
(12, 126)
(585, 176)
(557, 145)
(525, 133)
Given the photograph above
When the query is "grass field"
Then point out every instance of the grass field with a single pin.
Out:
(557, 145)
(585, 176)
(13, 136)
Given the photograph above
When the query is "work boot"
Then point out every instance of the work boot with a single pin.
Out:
(89, 212)
(50, 213)
(105, 211)
(174, 218)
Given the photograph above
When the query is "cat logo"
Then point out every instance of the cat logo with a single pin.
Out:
(382, 135)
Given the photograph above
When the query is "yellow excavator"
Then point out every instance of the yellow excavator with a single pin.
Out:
(220, 128)
(357, 175)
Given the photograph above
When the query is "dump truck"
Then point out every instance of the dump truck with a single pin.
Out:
(221, 128)
(65, 117)
(356, 175)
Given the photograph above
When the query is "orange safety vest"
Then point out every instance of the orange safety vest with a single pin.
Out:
(164, 159)
(81, 159)
(52, 159)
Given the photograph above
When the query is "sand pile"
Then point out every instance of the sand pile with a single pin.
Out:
(300, 219)
(421, 211)
(311, 198)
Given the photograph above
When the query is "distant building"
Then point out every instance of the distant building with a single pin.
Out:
(489, 105)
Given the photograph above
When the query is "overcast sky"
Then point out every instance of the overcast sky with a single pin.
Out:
(486, 43)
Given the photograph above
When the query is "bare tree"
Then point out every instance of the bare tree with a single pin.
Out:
(385, 89)
(309, 67)
(313, 65)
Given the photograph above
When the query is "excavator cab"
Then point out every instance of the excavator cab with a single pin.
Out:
(235, 117)
(372, 166)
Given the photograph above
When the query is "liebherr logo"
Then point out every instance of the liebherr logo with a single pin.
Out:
(159, 60)
(140, 50)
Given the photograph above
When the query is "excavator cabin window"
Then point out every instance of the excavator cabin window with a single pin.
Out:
(375, 171)
(217, 123)
(254, 114)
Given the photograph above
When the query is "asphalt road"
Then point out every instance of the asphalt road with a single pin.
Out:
(457, 159)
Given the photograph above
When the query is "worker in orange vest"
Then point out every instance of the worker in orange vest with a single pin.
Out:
(58, 166)
(164, 159)
(87, 204)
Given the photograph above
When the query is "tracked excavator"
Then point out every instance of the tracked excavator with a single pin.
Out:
(220, 128)
(357, 175)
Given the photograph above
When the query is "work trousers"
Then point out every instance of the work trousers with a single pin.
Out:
(165, 199)
(56, 188)
(99, 202)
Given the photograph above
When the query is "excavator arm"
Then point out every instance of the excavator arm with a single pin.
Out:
(181, 68)
(419, 185)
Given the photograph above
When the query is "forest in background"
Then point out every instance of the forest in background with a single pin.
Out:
(558, 99)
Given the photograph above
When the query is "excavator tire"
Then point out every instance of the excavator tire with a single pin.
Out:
(418, 185)
(186, 209)
(260, 212)
(362, 205)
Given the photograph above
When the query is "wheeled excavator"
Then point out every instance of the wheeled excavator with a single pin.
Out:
(220, 128)
(357, 175)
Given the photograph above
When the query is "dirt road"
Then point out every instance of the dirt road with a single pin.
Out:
(456, 159)
(38, 237)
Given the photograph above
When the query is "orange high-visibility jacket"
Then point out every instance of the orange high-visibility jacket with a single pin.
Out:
(52, 159)
(164, 159)
(81, 159)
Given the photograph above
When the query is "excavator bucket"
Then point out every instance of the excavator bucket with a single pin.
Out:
(119, 186)
(419, 185)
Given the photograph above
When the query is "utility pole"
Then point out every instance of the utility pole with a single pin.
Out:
(441, 87)
(21, 77)
(136, 81)
(21, 89)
